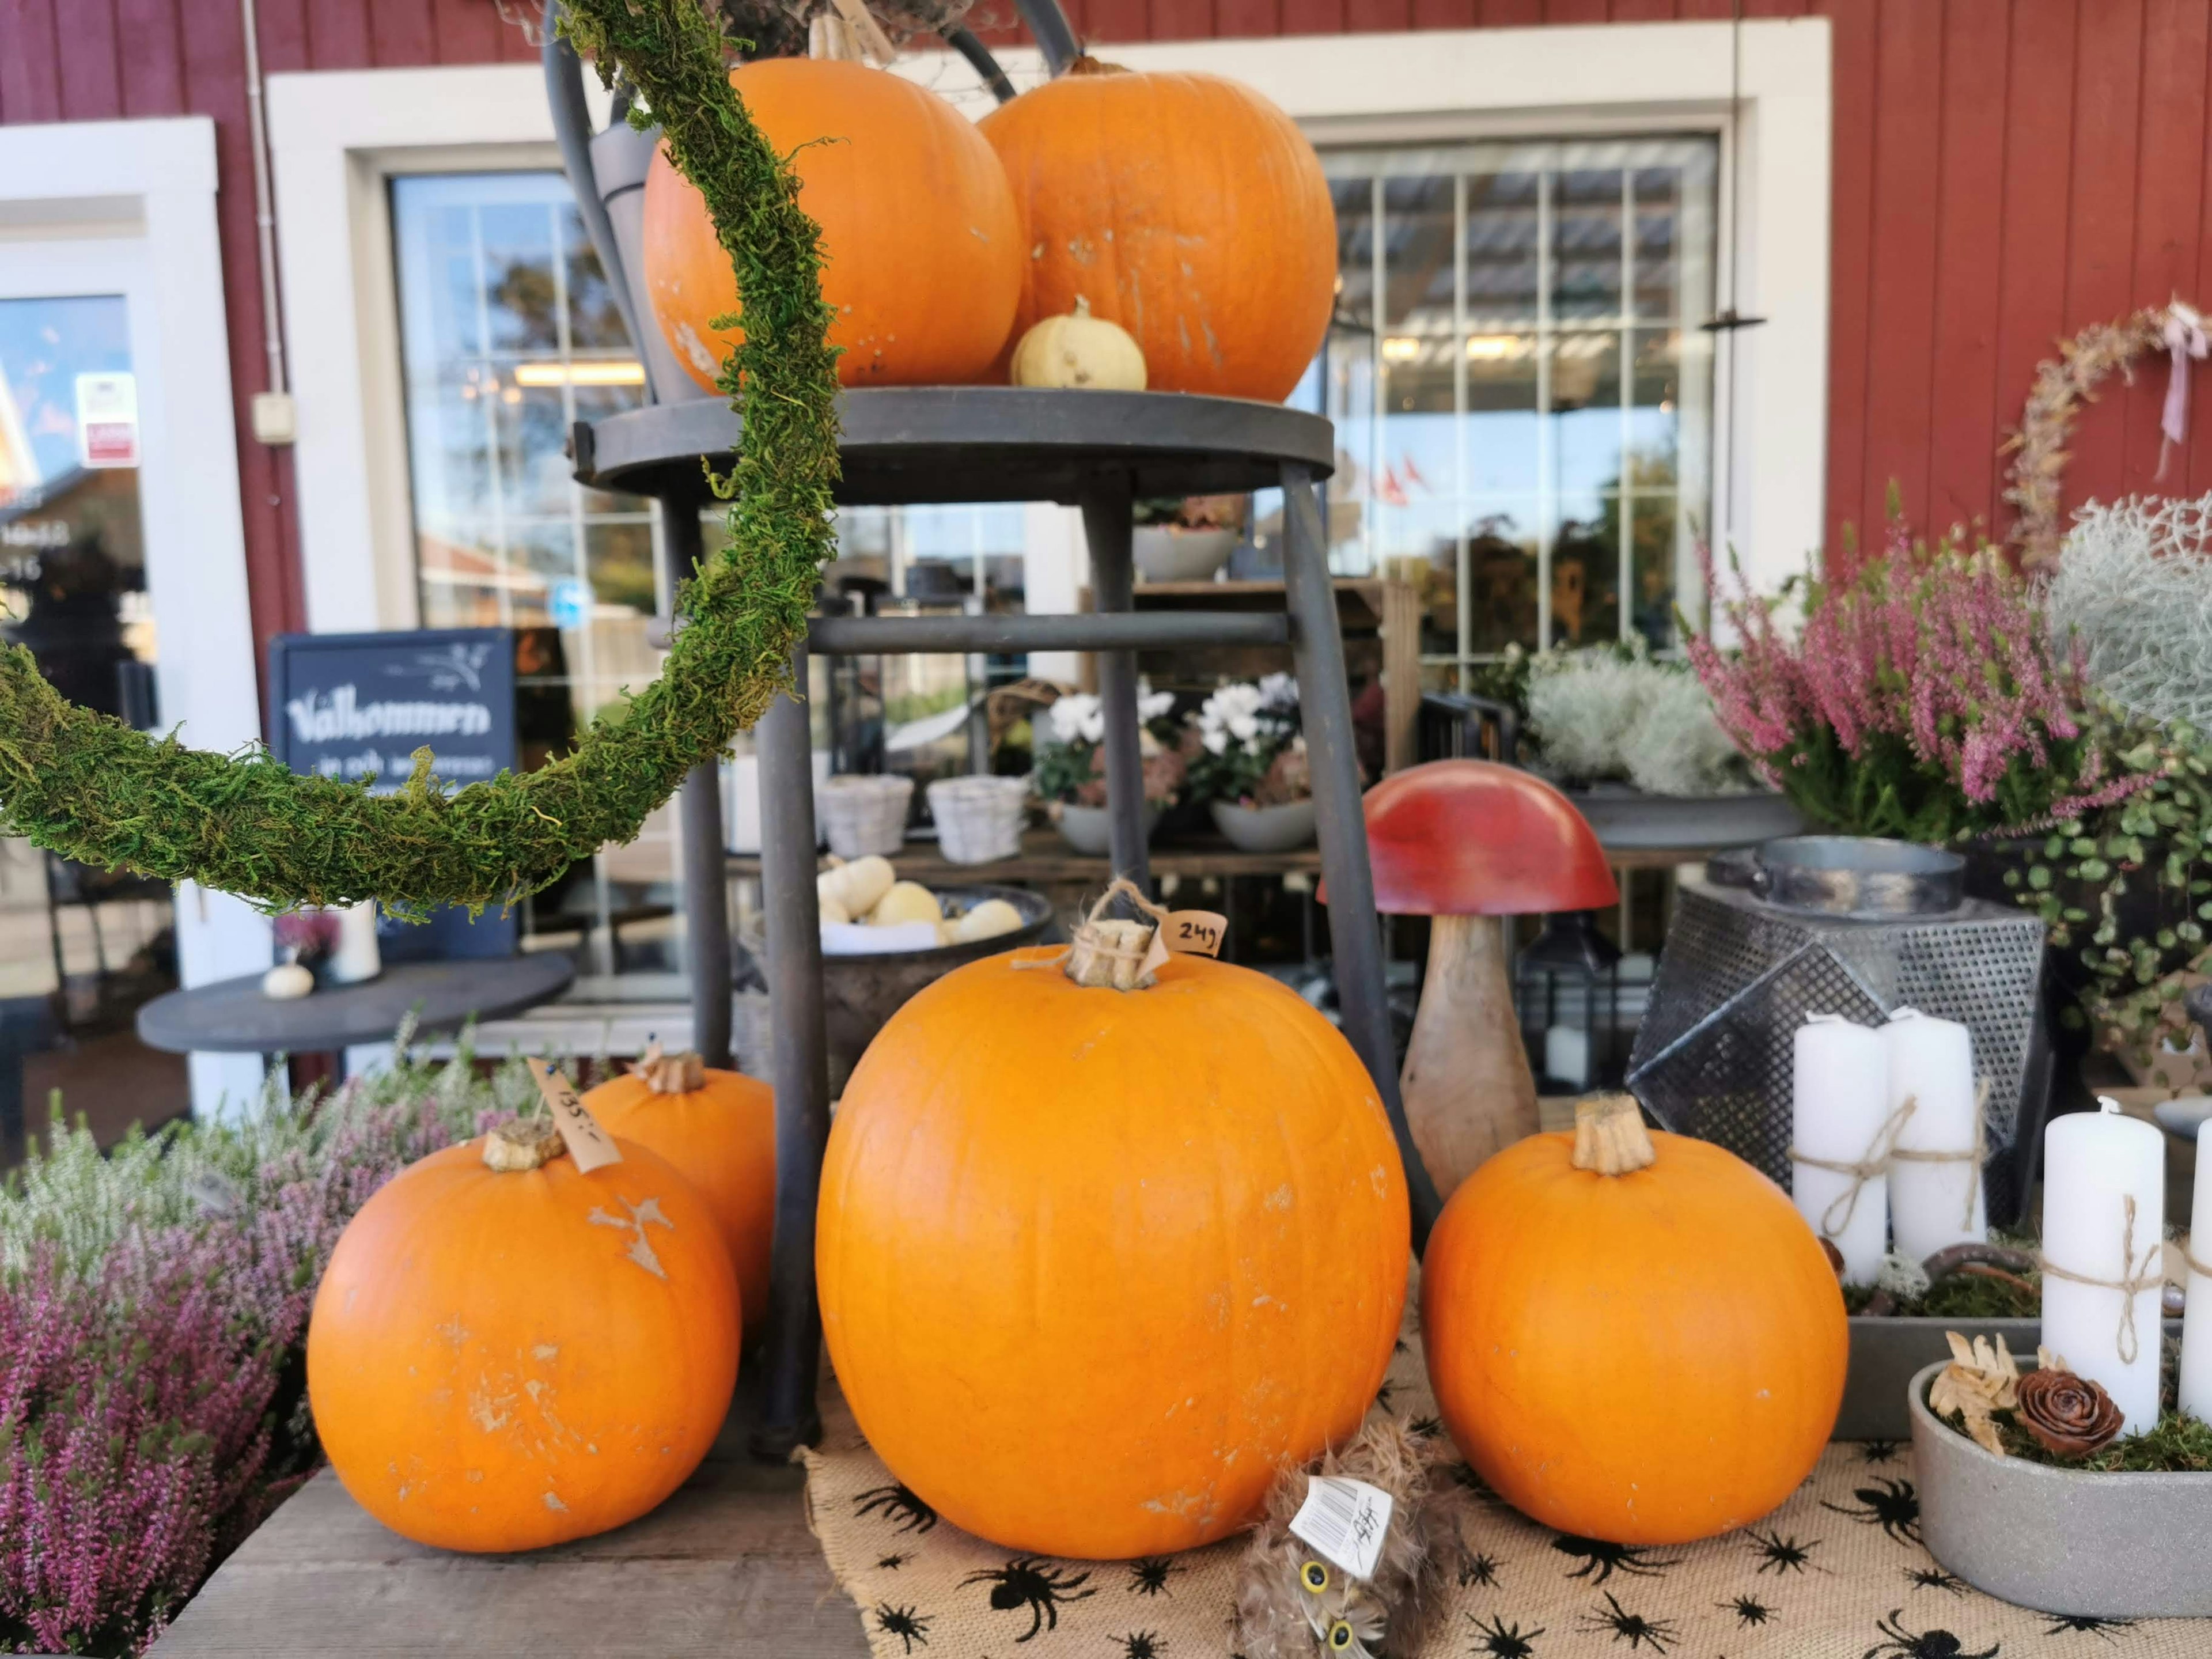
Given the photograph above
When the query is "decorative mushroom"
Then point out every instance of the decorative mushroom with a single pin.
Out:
(1466, 842)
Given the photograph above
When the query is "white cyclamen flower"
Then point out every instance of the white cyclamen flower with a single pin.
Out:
(1070, 714)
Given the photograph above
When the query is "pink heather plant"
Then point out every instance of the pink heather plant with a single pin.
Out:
(1919, 698)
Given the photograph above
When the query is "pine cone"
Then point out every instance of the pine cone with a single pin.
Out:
(2070, 1415)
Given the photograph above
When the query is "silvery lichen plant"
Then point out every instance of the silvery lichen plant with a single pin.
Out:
(1603, 712)
(2132, 596)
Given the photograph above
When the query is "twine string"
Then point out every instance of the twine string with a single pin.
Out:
(1098, 944)
(1876, 1162)
(2150, 1276)
(1972, 1158)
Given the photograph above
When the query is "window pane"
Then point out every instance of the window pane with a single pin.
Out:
(1585, 246)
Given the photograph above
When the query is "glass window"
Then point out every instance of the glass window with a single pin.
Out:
(1520, 385)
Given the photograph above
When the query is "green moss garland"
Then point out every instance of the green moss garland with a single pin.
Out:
(92, 788)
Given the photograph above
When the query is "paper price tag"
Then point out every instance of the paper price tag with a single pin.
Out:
(1345, 1520)
(868, 33)
(592, 1147)
(1195, 933)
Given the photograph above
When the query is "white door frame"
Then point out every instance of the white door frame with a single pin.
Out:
(129, 208)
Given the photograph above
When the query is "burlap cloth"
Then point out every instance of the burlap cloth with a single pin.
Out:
(1837, 1572)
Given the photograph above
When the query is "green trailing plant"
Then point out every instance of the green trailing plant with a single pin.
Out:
(92, 788)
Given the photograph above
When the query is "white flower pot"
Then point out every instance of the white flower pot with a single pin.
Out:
(1265, 829)
(1169, 553)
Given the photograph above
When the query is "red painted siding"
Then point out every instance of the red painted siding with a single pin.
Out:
(2005, 171)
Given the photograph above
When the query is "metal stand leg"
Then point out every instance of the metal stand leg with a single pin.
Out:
(1107, 528)
(699, 815)
(788, 1417)
(1317, 651)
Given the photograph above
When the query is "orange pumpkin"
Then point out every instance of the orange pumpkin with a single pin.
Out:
(1094, 1263)
(508, 1353)
(923, 250)
(718, 1129)
(1631, 1336)
(1187, 209)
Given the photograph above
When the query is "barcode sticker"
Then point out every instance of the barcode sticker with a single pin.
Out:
(588, 1144)
(1345, 1520)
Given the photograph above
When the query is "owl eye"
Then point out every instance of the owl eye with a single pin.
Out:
(1314, 1577)
(1339, 1637)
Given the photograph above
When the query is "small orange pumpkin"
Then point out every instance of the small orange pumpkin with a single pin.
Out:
(718, 1129)
(1631, 1336)
(508, 1353)
(1095, 1262)
(923, 250)
(1186, 208)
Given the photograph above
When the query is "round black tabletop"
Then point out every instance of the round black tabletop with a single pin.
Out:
(231, 1015)
(906, 445)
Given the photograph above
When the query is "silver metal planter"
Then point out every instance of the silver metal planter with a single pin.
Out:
(2060, 1541)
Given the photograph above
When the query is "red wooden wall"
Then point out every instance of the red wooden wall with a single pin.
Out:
(2005, 171)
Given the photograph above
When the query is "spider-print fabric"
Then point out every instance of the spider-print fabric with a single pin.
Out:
(1837, 1572)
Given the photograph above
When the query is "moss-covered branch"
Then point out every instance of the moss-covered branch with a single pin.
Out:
(91, 787)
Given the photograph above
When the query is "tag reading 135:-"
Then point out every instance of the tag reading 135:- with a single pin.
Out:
(1345, 1520)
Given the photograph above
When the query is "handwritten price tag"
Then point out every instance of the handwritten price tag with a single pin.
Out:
(588, 1144)
(1195, 933)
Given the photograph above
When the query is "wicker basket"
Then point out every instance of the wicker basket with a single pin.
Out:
(978, 819)
(866, 812)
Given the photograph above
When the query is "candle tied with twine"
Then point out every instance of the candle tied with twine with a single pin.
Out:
(1880, 1151)
(2150, 1276)
(1971, 1157)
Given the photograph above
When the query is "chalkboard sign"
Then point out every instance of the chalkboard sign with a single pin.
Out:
(353, 706)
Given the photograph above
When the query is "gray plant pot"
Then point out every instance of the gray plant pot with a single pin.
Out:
(1265, 829)
(1886, 1352)
(2060, 1541)
(1090, 829)
(1627, 818)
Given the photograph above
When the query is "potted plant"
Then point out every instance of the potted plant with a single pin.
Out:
(1250, 765)
(1188, 540)
(1071, 765)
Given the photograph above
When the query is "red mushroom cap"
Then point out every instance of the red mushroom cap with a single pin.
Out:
(1473, 838)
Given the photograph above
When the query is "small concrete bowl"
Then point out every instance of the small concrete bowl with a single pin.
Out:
(2061, 1540)
(2180, 1118)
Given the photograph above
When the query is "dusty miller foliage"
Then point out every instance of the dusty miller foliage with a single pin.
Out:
(2132, 592)
(92, 788)
(1609, 712)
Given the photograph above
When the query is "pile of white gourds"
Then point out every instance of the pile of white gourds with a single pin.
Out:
(867, 893)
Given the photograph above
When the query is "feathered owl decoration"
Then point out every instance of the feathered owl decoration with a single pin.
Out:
(1294, 1604)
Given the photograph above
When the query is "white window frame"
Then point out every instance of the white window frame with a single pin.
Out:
(129, 208)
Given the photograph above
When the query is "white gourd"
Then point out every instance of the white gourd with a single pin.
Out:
(906, 900)
(987, 920)
(287, 983)
(855, 888)
(1079, 350)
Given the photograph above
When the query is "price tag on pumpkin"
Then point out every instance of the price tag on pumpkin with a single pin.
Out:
(592, 1147)
(1185, 932)
(1345, 1520)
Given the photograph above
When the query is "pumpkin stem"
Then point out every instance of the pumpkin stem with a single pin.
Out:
(524, 1144)
(1610, 1137)
(1082, 305)
(671, 1074)
(1086, 64)
(1111, 955)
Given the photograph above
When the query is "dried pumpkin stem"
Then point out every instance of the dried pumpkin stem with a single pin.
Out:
(673, 1075)
(520, 1148)
(1110, 954)
(1610, 1137)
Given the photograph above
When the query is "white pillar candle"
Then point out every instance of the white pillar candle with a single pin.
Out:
(1839, 1099)
(356, 957)
(1935, 1196)
(2104, 1197)
(2196, 1390)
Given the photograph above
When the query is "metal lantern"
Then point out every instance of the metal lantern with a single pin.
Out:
(1569, 993)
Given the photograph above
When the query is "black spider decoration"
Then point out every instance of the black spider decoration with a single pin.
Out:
(2057, 1624)
(909, 1626)
(896, 1503)
(1779, 1552)
(1149, 1574)
(1384, 1394)
(1143, 1645)
(1899, 1642)
(1748, 1610)
(1935, 1578)
(1464, 1477)
(1427, 1427)
(1496, 1639)
(1478, 1569)
(1604, 1560)
(1632, 1628)
(1878, 1451)
(1028, 1582)
(894, 1561)
(1892, 1505)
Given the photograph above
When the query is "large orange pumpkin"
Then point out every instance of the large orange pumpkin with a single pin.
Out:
(1094, 1263)
(718, 1129)
(508, 1353)
(924, 251)
(1187, 209)
(1631, 1336)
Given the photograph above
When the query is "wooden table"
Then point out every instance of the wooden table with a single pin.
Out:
(726, 1568)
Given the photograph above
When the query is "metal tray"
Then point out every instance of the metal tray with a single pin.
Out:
(2060, 1541)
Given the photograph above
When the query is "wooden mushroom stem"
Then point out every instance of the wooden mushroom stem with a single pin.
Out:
(1467, 1089)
